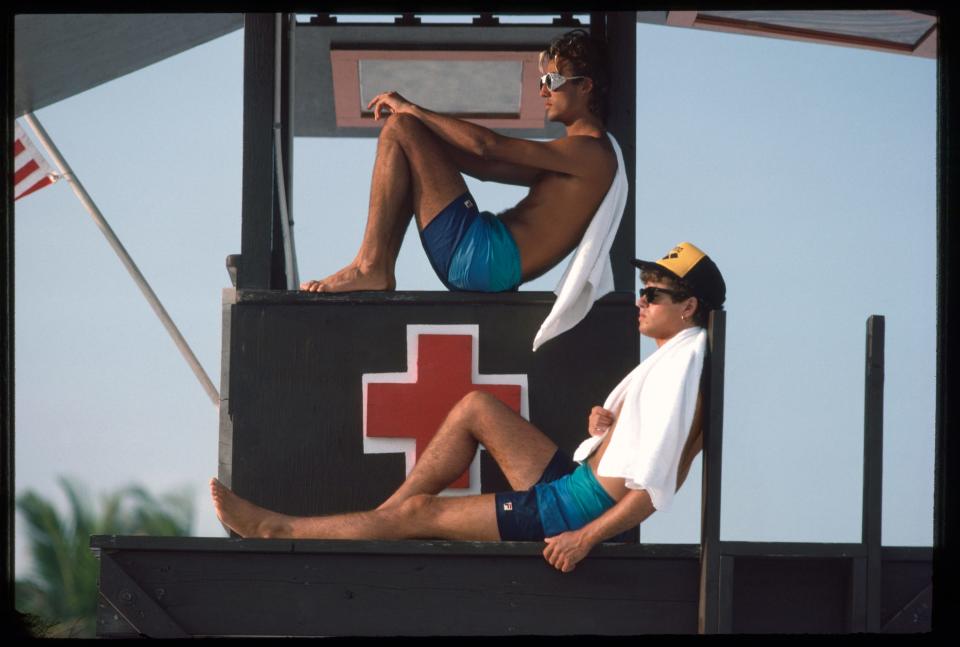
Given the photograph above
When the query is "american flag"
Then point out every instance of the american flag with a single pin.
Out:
(31, 170)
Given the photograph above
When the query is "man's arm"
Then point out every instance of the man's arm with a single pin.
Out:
(570, 155)
(565, 550)
(491, 171)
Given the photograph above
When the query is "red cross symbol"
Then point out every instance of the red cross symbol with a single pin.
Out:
(402, 411)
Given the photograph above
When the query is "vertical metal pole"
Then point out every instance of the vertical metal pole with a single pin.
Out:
(709, 614)
(873, 467)
(64, 169)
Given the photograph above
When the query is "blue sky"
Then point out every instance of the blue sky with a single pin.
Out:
(806, 171)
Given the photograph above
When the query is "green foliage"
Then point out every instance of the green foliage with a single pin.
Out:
(62, 593)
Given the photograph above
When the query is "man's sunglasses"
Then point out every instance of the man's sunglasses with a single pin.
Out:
(554, 80)
(650, 294)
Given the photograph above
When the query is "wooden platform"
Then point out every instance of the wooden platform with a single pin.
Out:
(169, 587)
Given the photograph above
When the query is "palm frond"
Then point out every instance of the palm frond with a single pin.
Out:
(63, 588)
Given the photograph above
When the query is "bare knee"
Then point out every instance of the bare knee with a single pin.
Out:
(399, 126)
(476, 403)
(479, 400)
(416, 507)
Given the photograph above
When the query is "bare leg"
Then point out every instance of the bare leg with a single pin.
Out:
(521, 450)
(467, 518)
(412, 175)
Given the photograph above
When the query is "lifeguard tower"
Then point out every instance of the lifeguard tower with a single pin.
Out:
(317, 415)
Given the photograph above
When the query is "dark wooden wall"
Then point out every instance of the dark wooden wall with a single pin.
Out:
(292, 430)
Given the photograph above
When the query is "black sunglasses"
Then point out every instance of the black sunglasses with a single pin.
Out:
(650, 294)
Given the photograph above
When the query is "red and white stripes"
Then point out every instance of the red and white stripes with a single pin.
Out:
(31, 170)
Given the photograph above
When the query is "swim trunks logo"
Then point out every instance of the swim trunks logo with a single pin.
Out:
(508, 506)
(468, 204)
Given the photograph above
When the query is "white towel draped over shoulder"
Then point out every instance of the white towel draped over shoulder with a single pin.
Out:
(659, 400)
(589, 275)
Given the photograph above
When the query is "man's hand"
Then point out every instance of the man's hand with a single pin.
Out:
(392, 101)
(599, 421)
(565, 550)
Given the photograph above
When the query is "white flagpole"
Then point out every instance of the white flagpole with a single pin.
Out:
(66, 172)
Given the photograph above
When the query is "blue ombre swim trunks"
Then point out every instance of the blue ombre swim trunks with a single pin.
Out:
(567, 497)
(471, 250)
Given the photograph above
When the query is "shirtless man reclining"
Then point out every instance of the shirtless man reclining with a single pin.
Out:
(420, 158)
(642, 441)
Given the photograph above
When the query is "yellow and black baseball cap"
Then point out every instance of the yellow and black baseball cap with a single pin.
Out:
(689, 263)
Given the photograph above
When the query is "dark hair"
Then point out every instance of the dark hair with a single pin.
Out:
(702, 312)
(586, 56)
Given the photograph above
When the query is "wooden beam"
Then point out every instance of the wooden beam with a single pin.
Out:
(136, 606)
(681, 18)
(223, 587)
(946, 469)
(708, 620)
(725, 594)
(7, 475)
(792, 549)
(212, 586)
(735, 26)
(873, 467)
(258, 209)
(225, 444)
(621, 35)
(927, 45)
(857, 596)
(914, 617)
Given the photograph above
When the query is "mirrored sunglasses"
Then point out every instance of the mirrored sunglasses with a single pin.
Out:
(553, 80)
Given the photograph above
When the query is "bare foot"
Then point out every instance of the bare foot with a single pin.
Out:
(352, 279)
(245, 518)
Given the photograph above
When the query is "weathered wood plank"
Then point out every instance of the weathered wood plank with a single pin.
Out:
(712, 388)
(873, 467)
(266, 587)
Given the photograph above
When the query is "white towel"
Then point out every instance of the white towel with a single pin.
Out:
(657, 402)
(589, 275)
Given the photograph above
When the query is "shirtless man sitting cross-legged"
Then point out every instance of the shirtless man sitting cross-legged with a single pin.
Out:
(642, 441)
(420, 158)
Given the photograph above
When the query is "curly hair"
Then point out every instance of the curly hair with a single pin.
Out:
(702, 312)
(585, 56)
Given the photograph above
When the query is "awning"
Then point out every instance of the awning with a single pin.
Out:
(59, 55)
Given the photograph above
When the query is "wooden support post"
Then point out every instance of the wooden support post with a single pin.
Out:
(725, 594)
(873, 467)
(7, 480)
(259, 202)
(620, 30)
(709, 616)
(946, 512)
(857, 596)
(225, 445)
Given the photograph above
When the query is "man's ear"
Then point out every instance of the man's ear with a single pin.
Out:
(691, 307)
